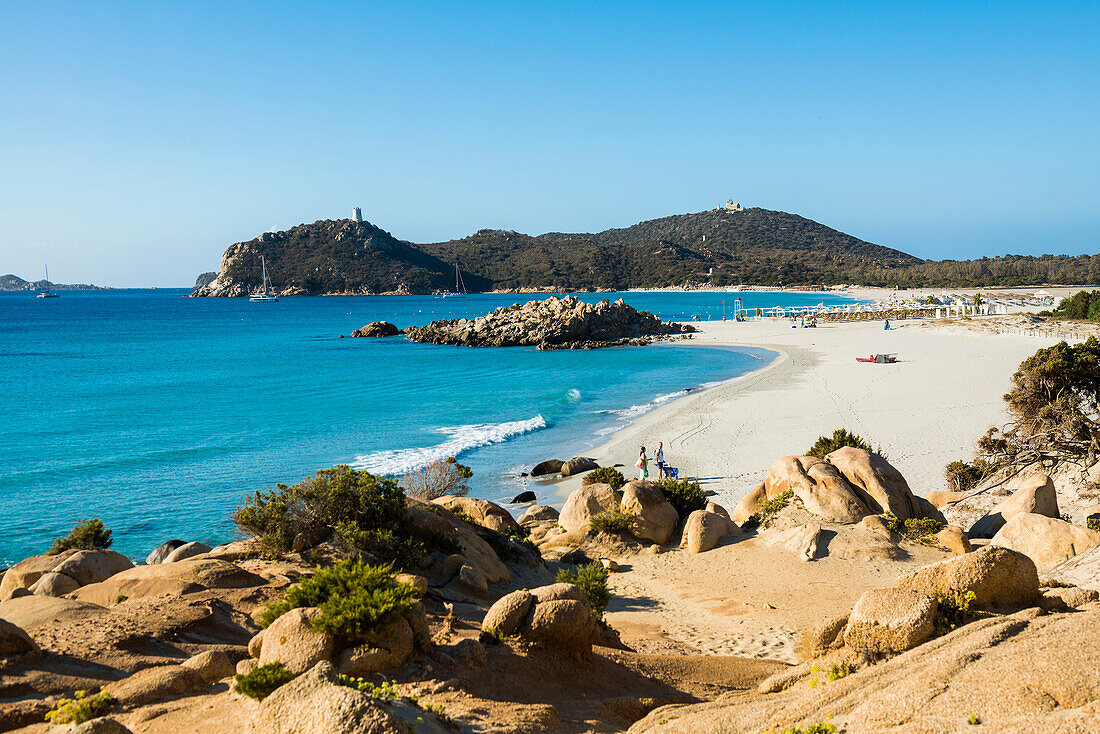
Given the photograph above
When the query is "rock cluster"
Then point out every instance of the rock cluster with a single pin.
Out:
(552, 323)
(556, 616)
(377, 329)
(62, 573)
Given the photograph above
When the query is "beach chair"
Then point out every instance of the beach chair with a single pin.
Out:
(672, 472)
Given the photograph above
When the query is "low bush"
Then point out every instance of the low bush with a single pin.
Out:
(953, 612)
(438, 479)
(915, 529)
(963, 476)
(263, 680)
(86, 535)
(821, 727)
(615, 522)
(767, 512)
(841, 437)
(684, 494)
(1093, 523)
(81, 707)
(356, 600)
(591, 579)
(366, 513)
(608, 475)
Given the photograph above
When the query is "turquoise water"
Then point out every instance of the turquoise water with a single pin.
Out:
(159, 413)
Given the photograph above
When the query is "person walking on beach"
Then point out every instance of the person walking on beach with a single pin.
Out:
(659, 457)
(643, 465)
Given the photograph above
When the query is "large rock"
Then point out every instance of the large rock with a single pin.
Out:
(212, 665)
(34, 611)
(54, 584)
(999, 578)
(314, 704)
(546, 468)
(890, 620)
(549, 323)
(655, 519)
(377, 329)
(802, 540)
(1032, 493)
(290, 640)
(952, 538)
(539, 513)
(942, 499)
(578, 465)
(389, 649)
(23, 574)
(882, 487)
(158, 554)
(474, 550)
(585, 503)
(14, 640)
(750, 504)
(1045, 540)
(553, 616)
(703, 530)
(187, 550)
(485, 513)
(92, 566)
(156, 684)
(819, 485)
(181, 577)
(507, 614)
(101, 725)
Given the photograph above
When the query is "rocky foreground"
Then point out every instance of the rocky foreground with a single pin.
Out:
(909, 624)
(552, 323)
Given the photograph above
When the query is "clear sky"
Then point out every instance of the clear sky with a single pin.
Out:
(138, 140)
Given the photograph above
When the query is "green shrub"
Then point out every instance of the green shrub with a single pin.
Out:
(81, 707)
(973, 719)
(963, 476)
(386, 692)
(356, 600)
(841, 437)
(608, 475)
(263, 680)
(767, 512)
(614, 521)
(591, 579)
(915, 529)
(821, 727)
(367, 513)
(1093, 523)
(954, 611)
(85, 535)
(1054, 584)
(464, 517)
(684, 494)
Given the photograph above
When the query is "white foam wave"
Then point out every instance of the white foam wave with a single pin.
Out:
(574, 394)
(636, 410)
(460, 439)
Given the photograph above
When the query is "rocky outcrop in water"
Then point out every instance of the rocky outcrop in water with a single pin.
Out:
(553, 323)
(377, 329)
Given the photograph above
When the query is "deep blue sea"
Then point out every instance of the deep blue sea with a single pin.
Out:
(159, 413)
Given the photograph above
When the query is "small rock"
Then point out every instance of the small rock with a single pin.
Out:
(545, 468)
(212, 665)
(291, 640)
(54, 584)
(507, 614)
(161, 551)
(524, 497)
(187, 550)
(14, 640)
(156, 684)
(890, 620)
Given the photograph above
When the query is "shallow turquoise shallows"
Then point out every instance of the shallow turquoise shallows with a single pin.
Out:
(159, 413)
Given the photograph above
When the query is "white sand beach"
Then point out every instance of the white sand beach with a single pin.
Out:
(924, 411)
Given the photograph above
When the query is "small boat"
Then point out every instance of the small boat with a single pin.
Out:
(460, 286)
(879, 359)
(263, 295)
(46, 293)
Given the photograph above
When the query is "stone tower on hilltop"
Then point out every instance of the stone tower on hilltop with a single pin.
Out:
(357, 215)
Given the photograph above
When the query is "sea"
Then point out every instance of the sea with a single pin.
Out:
(160, 413)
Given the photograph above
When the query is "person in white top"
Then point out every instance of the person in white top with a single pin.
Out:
(659, 457)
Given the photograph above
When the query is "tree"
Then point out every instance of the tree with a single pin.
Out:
(438, 479)
(1055, 402)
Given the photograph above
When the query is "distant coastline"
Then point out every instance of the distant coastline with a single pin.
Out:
(14, 283)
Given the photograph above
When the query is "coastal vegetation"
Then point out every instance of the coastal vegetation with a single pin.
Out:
(86, 535)
(262, 681)
(438, 479)
(614, 522)
(841, 437)
(81, 708)
(608, 475)
(915, 529)
(364, 513)
(356, 600)
(962, 476)
(591, 579)
(767, 512)
(683, 494)
(1081, 306)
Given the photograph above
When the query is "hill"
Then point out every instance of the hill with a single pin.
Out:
(15, 283)
(715, 248)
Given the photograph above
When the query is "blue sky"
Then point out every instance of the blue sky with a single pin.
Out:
(138, 140)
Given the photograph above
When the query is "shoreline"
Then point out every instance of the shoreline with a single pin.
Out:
(925, 411)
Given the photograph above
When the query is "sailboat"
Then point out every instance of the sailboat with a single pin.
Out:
(263, 295)
(46, 293)
(460, 286)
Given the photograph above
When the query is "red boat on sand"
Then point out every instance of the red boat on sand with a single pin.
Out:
(879, 358)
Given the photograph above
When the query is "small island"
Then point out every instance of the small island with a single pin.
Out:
(552, 323)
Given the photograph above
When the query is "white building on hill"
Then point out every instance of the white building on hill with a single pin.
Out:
(357, 214)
